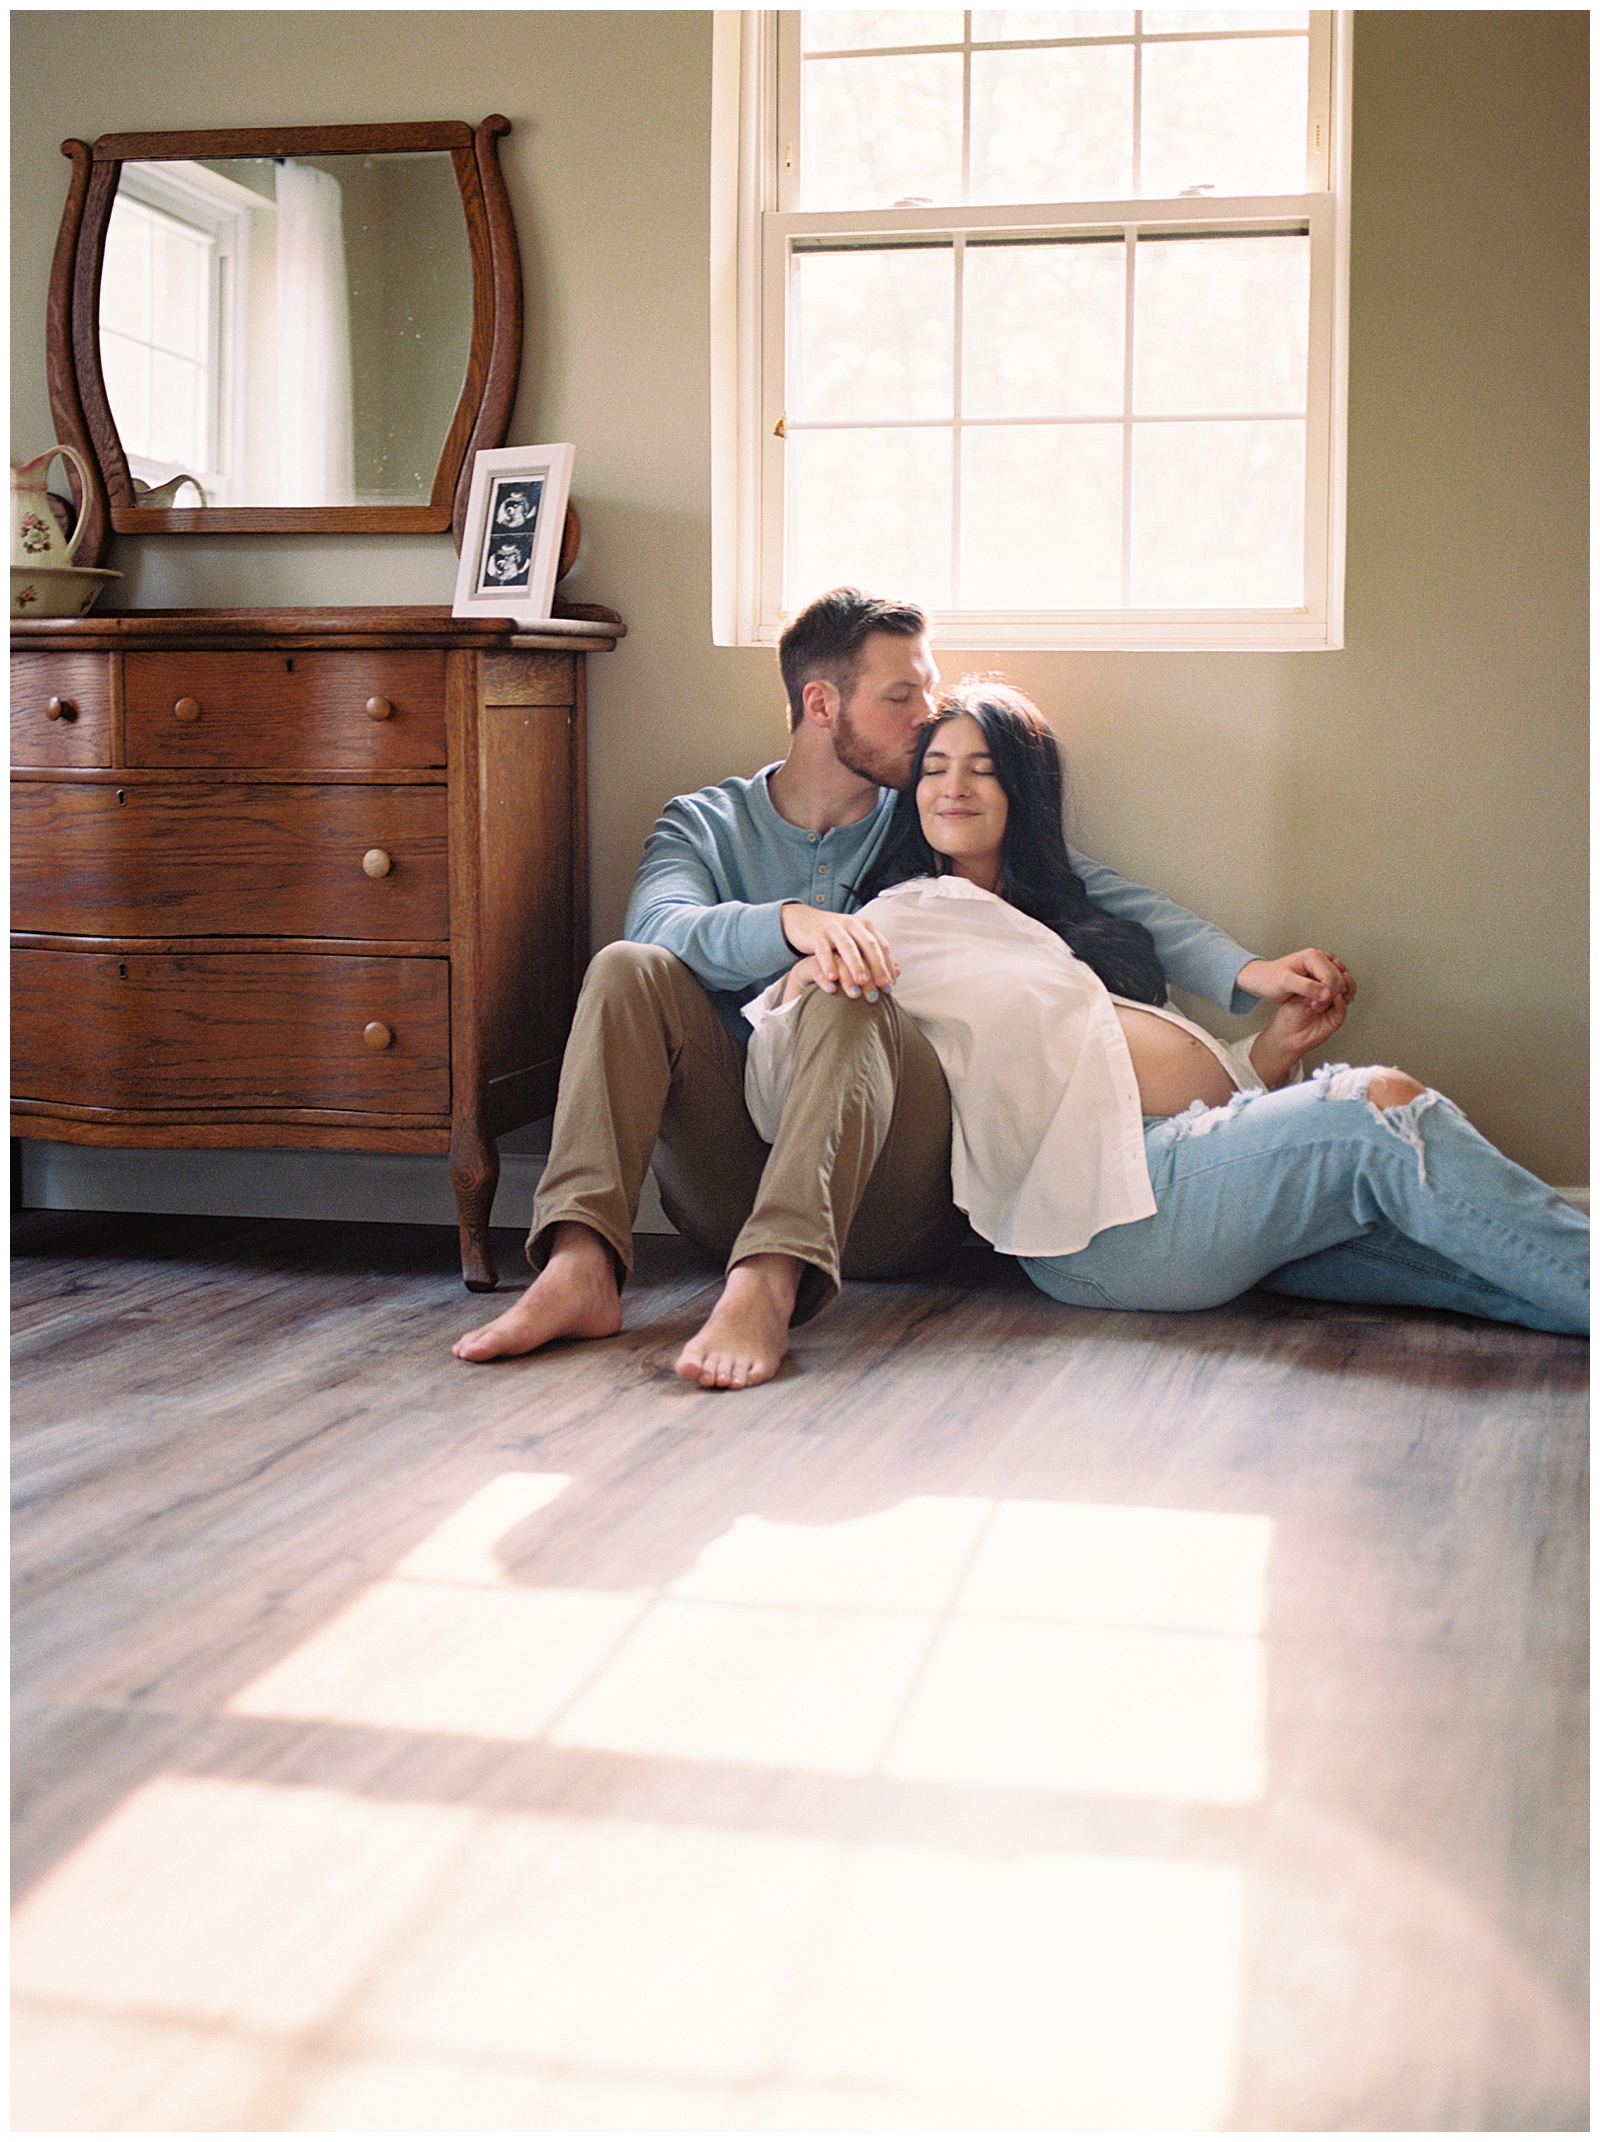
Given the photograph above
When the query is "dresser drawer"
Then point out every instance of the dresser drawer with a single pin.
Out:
(78, 688)
(231, 1030)
(219, 859)
(362, 711)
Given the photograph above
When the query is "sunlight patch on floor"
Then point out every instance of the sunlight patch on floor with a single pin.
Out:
(229, 1952)
(1042, 1646)
(1157, 1714)
(439, 1658)
(214, 1933)
(462, 1549)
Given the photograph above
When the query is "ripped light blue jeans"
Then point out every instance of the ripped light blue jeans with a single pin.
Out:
(1314, 1190)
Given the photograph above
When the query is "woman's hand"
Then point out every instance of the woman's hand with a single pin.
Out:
(800, 977)
(1295, 1030)
(1316, 978)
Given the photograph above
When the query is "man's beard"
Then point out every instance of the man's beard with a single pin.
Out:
(857, 756)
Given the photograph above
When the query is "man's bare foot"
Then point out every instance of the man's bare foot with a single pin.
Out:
(746, 1336)
(574, 1297)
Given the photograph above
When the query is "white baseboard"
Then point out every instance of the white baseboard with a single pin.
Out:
(404, 1187)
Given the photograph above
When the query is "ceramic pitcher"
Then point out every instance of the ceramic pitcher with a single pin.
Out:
(36, 538)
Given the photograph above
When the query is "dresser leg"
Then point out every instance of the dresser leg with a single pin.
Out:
(475, 1170)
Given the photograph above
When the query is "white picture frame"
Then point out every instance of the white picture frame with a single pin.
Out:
(516, 512)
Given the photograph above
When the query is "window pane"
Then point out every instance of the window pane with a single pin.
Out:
(1220, 324)
(125, 367)
(874, 132)
(1041, 517)
(125, 278)
(178, 289)
(874, 331)
(872, 508)
(1219, 516)
(1161, 22)
(176, 396)
(996, 25)
(1053, 126)
(1044, 329)
(1227, 116)
(832, 29)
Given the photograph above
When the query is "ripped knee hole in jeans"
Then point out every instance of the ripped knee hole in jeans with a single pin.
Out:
(1330, 1082)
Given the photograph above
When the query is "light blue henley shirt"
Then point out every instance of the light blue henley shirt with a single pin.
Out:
(719, 866)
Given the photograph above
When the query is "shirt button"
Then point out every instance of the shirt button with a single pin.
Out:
(812, 838)
(822, 870)
(822, 899)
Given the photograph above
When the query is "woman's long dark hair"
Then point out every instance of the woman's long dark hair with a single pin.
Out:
(1035, 871)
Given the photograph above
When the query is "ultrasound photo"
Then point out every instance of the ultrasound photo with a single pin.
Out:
(507, 562)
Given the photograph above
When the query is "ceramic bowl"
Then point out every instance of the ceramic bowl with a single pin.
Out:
(57, 590)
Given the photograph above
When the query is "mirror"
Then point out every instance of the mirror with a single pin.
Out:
(285, 329)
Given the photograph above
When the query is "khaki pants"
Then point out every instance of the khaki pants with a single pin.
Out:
(857, 1184)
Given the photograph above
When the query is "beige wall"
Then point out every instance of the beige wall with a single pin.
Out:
(1416, 802)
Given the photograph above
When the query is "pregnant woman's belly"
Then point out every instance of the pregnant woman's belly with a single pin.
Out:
(1172, 1068)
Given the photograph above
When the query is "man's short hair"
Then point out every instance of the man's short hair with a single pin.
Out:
(825, 639)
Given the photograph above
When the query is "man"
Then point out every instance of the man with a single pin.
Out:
(737, 882)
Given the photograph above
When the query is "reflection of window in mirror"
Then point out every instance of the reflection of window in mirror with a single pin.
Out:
(171, 346)
(292, 331)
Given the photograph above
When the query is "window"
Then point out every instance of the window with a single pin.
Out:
(1037, 316)
(177, 261)
(157, 356)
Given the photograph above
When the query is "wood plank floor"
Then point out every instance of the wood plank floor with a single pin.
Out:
(1012, 1717)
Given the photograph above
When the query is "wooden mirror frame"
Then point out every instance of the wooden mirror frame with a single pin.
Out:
(78, 400)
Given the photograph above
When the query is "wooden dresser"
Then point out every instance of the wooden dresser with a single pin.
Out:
(298, 878)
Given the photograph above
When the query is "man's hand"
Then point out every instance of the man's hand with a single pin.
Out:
(848, 951)
(1316, 979)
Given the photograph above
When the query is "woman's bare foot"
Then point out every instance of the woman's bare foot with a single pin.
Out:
(746, 1336)
(574, 1297)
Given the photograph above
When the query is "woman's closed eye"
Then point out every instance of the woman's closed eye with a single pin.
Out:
(937, 763)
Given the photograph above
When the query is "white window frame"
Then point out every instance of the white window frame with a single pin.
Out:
(754, 223)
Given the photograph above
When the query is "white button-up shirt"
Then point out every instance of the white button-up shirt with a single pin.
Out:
(1048, 1134)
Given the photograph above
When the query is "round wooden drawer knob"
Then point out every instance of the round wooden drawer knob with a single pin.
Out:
(376, 864)
(187, 710)
(376, 1035)
(378, 710)
(60, 710)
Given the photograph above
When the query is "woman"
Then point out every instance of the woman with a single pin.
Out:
(1130, 1159)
